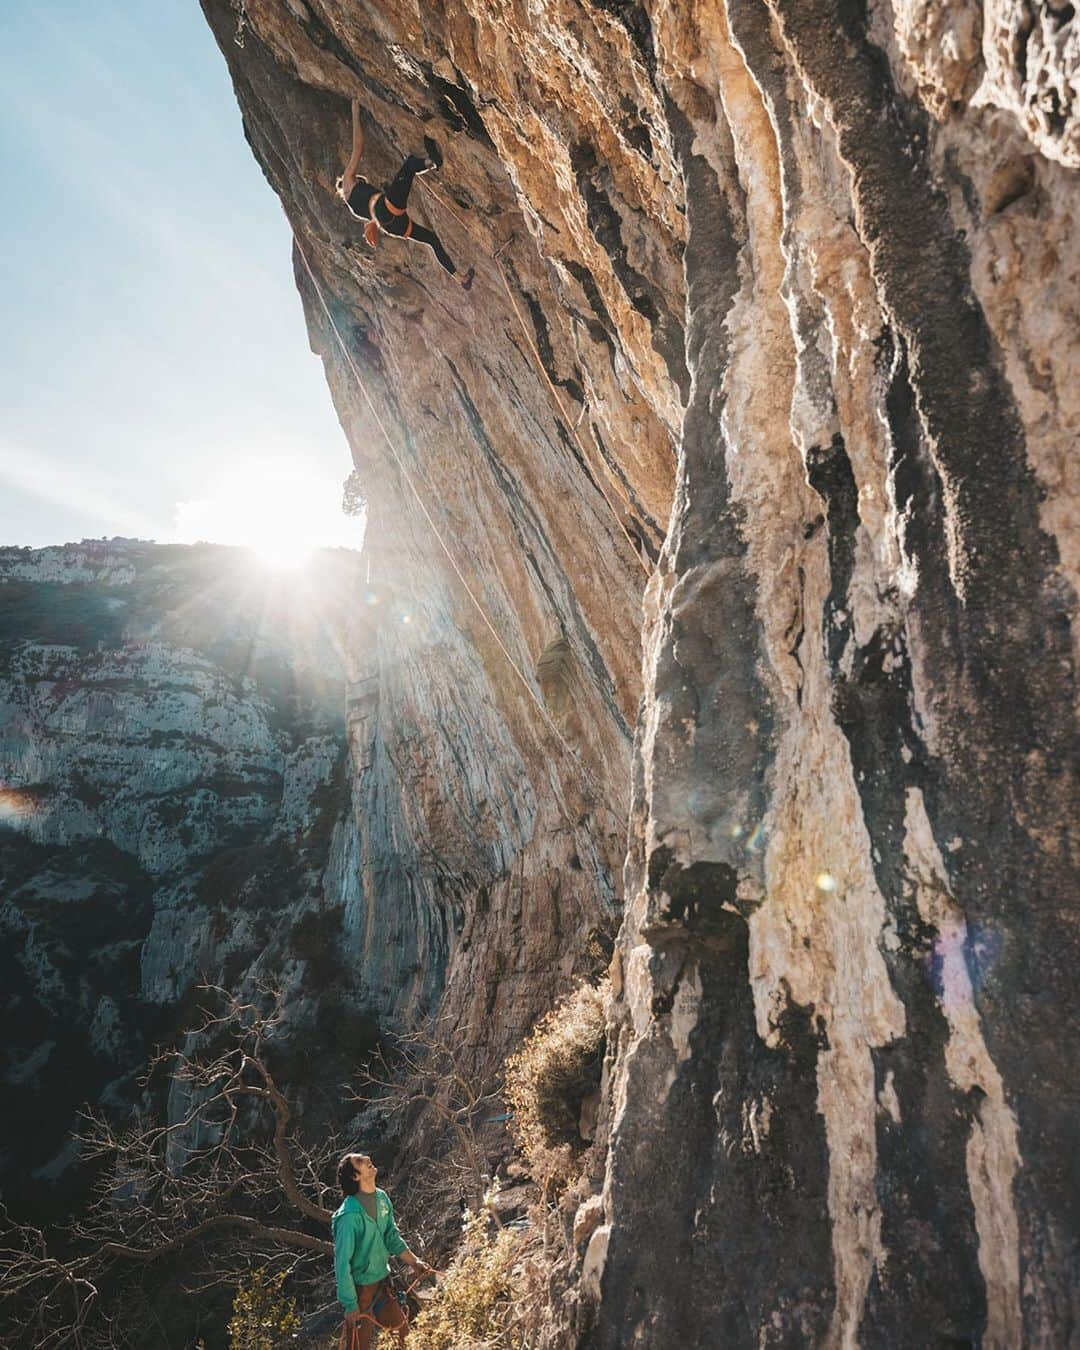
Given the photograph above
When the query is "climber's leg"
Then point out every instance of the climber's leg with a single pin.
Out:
(397, 193)
(433, 242)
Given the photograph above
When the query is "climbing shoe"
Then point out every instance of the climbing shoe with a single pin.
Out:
(470, 276)
(434, 154)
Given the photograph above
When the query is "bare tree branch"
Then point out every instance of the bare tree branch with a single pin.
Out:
(230, 1181)
(229, 1162)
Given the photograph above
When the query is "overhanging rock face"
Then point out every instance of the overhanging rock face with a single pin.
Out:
(770, 383)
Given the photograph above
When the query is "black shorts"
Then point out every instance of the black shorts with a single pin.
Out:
(359, 199)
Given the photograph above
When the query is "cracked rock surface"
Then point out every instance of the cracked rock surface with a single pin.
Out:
(740, 496)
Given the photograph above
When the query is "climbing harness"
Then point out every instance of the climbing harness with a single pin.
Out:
(372, 228)
(350, 1331)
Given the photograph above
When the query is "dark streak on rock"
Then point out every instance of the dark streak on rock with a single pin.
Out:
(829, 471)
(593, 181)
(741, 1239)
(457, 108)
(542, 336)
(635, 19)
(585, 279)
(645, 522)
(991, 614)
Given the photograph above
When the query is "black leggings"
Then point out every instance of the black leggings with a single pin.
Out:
(397, 194)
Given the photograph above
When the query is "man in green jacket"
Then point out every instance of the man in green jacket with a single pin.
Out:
(365, 1237)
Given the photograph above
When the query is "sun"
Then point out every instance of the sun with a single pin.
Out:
(278, 514)
(282, 554)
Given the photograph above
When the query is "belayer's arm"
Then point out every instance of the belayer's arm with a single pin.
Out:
(344, 1243)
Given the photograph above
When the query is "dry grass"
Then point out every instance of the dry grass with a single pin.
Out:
(550, 1078)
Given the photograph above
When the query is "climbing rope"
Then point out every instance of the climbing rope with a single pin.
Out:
(545, 715)
(597, 477)
(350, 1336)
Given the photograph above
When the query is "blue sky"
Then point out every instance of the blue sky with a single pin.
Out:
(155, 376)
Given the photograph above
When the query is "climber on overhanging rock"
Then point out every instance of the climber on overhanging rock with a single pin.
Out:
(385, 209)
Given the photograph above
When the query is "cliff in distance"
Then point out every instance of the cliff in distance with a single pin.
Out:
(175, 809)
(737, 500)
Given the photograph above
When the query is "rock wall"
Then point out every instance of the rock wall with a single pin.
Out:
(176, 807)
(782, 324)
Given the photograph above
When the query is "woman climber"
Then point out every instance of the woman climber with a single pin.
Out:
(385, 210)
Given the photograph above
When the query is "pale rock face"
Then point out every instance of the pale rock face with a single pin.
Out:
(775, 374)
(92, 560)
(175, 807)
(1032, 54)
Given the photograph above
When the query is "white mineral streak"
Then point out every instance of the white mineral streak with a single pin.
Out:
(993, 1156)
(833, 269)
(888, 1100)
(815, 947)
(1025, 271)
(820, 948)
(639, 987)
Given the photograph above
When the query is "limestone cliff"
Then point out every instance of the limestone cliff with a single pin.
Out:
(782, 324)
(175, 808)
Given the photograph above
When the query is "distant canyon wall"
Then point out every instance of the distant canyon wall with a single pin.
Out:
(176, 809)
(739, 495)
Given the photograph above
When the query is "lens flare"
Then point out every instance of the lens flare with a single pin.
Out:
(17, 804)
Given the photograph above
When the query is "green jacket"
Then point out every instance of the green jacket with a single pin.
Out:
(363, 1246)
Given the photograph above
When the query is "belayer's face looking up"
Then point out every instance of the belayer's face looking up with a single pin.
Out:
(364, 1170)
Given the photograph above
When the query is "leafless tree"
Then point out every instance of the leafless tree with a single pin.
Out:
(228, 1181)
(450, 1114)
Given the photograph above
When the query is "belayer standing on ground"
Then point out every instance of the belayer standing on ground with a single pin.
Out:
(365, 1237)
(385, 209)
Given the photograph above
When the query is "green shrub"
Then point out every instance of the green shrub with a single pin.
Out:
(263, 1318)
(550, 1077)
(472, 1302)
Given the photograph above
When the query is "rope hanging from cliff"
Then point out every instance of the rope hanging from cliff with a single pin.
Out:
(586, 457)
(600, 795)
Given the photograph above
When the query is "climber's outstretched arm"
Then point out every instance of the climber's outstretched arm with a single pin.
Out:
(349, 177)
